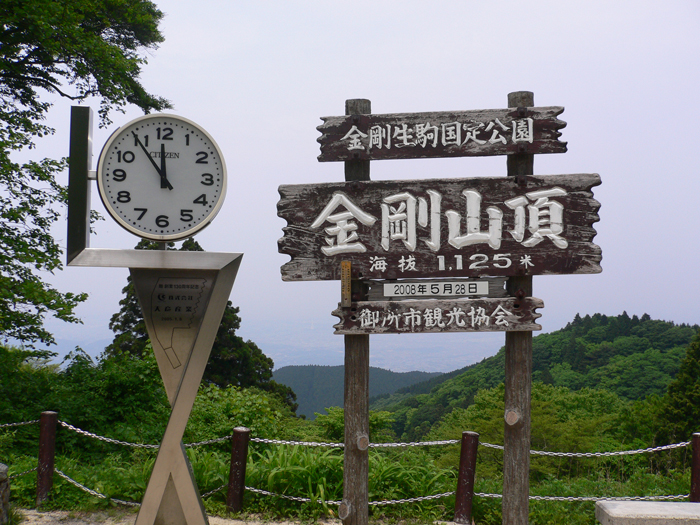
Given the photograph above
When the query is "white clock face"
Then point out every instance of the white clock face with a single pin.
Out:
(162, 177)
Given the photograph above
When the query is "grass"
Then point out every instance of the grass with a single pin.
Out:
(316, 474)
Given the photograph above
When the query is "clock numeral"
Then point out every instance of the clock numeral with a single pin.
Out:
(118, 175)
(143, 212)
(202, 199)
(123, 196)
(187, 139)
(208, 179)
(186, 215)
(144, 140)
(162, 221)
(125, 156)
(167, 134)
(203, 156)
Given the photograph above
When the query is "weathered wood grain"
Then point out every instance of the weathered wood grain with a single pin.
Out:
(442, 134)
(354, 509)
(305, 242)
(518, 373)
(422, 316)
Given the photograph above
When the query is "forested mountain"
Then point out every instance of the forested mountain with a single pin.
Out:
(630, 356)
(319, 387)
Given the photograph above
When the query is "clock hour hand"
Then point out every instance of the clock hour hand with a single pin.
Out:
(164, 183)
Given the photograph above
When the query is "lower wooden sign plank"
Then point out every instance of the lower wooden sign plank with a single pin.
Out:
(422, 316)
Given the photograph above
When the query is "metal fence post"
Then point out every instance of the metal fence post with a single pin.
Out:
(695, 469)
(465, 481)
(47, 451)
(236, 477)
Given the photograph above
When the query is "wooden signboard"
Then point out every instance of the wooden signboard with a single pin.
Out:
(440, 228)
(424, 316)
(442, 134)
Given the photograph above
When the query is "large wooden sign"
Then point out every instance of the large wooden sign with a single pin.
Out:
(442, 134)
(440, 228)
(439, 316)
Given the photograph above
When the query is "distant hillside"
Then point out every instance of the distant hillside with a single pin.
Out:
(382, 401)
(318, 387)
(630, 356)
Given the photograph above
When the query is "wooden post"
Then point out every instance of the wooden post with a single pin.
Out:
(354, 509)
(236, 477)
(47, 449)
(695, 469)
(518, 371)
(465, 481)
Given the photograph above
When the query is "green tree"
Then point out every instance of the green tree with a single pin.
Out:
(75, 49)
(128, 324)
(233, 361)
(682, 414)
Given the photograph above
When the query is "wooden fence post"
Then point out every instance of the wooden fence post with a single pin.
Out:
(518, 371)
(465, 481)
(236, 477)
(354, 509)
(47, 451)
(695, 469)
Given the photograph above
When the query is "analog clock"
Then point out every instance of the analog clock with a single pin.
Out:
(162, 177)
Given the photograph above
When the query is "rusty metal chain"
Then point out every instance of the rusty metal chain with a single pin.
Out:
(597, 454)
(336, 503)
(209, 441)
(95, 493)
(22, 473)
(207, 494)
(410, 500)
(590, 498)
(341, 445)
(415, 443)
(372, 445)
(302, 443)
(7, 425)
(102, 438)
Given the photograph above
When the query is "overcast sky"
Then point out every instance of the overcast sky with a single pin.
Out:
(259, 75)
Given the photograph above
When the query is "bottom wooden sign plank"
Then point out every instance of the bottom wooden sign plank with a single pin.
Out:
(503, 314)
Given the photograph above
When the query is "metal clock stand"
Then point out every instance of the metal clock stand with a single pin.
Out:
(183, 296)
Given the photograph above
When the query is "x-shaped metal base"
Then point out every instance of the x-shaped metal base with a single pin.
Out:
(182, 310)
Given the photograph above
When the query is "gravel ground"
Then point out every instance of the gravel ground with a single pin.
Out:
(121, 517)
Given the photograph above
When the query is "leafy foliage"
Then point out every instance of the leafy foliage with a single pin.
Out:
(333, 425)
(94, 47)
(74, 49)
(681, 408)
(582, 420)
(632, 357)
(232, 362)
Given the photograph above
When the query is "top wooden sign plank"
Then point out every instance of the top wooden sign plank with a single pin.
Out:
(442, 134)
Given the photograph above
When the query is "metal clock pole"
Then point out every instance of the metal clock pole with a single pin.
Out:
(182, 296)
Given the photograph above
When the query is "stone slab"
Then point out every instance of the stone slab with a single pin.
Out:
(4, 494)
(647, 513)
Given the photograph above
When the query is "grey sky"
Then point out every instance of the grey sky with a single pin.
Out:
(259, 75)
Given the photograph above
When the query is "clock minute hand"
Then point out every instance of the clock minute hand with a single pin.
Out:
(138, 141)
